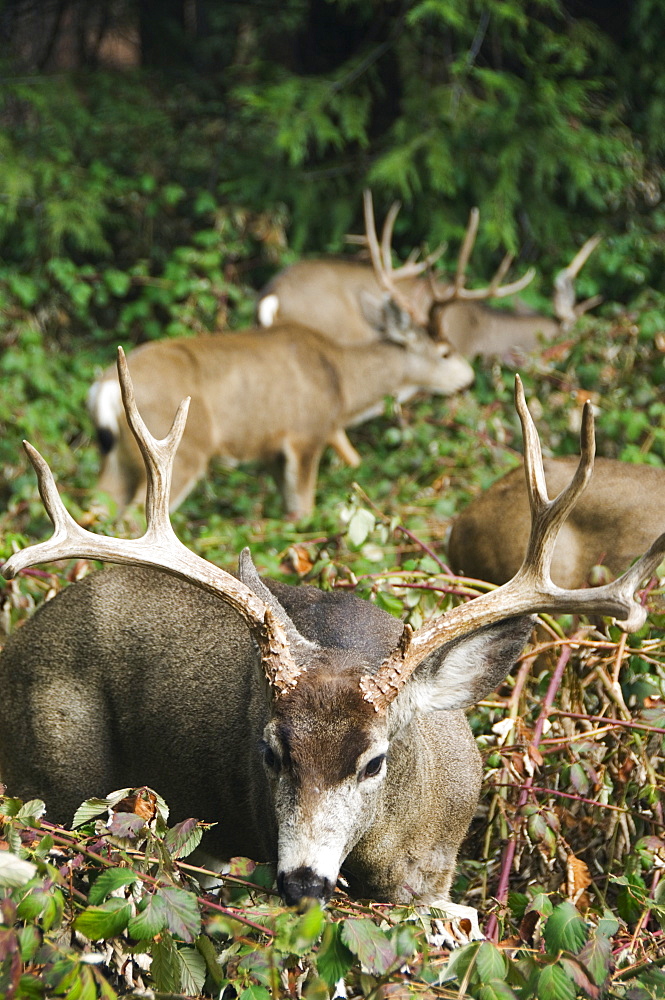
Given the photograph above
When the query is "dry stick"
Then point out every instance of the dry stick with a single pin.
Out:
(492, 929)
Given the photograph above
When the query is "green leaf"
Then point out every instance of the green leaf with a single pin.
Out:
(88, 810)
(333, 959)
(596, 957)
(192, 971)
(490, 962)
(150, 920)
(496, 989)
(367, 941)
(554, 984)
(255, 993)
(359, 527)
(15, 871)
(183, 838)
(117, 282)
(181, 909)
(565, 929)
(101, 922)
(108, 882)
(207, 949)
(166, 967)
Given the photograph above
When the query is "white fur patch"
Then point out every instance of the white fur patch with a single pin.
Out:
(268, 307)
(105, 404)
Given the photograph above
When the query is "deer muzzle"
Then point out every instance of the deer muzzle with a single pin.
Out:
(304, 883)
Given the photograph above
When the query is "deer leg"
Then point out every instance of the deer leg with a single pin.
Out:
(340, 443)
(301, 466)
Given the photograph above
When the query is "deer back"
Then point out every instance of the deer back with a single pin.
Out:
(613, 522)
(326, 295)
(259, 396)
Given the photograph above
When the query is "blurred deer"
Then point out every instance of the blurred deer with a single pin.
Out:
(325, 293)
(612, 523)
(317, 730)
(277, 396)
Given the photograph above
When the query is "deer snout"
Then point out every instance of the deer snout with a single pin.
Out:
(304, 883)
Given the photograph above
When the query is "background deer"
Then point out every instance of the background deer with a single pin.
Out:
(614, 520)
(302, 721)
(259, 396)
(277, 396)
(325, 295)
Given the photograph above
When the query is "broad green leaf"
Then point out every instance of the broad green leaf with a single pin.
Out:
(554, 984)
(192, 971)
(490, 962)
(333, 959)
(29, 940)
(596, 957)
(496, 989)
(150, 920)
(181, 909)
(542, 904)
(580, 976)
(183, 838)
(32, 810)
(15, 871)
(106, 921)
(360, 525)
(207, 949)
(90, 809)
(459, 962)
(108, 882)
(166, 968)
(565, 929)
(367, 941)
(255, 993)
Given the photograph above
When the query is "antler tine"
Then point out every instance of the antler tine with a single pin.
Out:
(582, 255)
(387, 235)
(468, 244)
(547, 515)
(564, 285)
(158, 455)
(381, 256)
(495, 290)
(531, 590)
(159, 546)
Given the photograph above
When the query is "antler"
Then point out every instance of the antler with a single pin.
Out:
(531, 590)
(564, 286)
(495, 290)
(381, 255)
(158, 546)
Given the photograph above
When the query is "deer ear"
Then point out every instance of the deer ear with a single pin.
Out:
(248, 574)
(462, 672)
(373, 308)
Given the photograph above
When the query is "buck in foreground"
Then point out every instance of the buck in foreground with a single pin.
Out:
(325, 295)
(300, 721)
(615, 519)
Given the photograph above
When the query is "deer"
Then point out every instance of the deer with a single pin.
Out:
(269, 396)
(301, 721)
(615, 519)
(325, 293)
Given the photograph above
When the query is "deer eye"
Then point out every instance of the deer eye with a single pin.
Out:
(270, 758)
(373, 767)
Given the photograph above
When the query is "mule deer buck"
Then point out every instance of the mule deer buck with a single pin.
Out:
(325, 295)
(268, 396)
(613, 522)
(301, 720)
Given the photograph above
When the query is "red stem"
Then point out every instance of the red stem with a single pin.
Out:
(492, 929)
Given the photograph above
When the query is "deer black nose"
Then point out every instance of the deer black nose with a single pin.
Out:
(303, 883)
